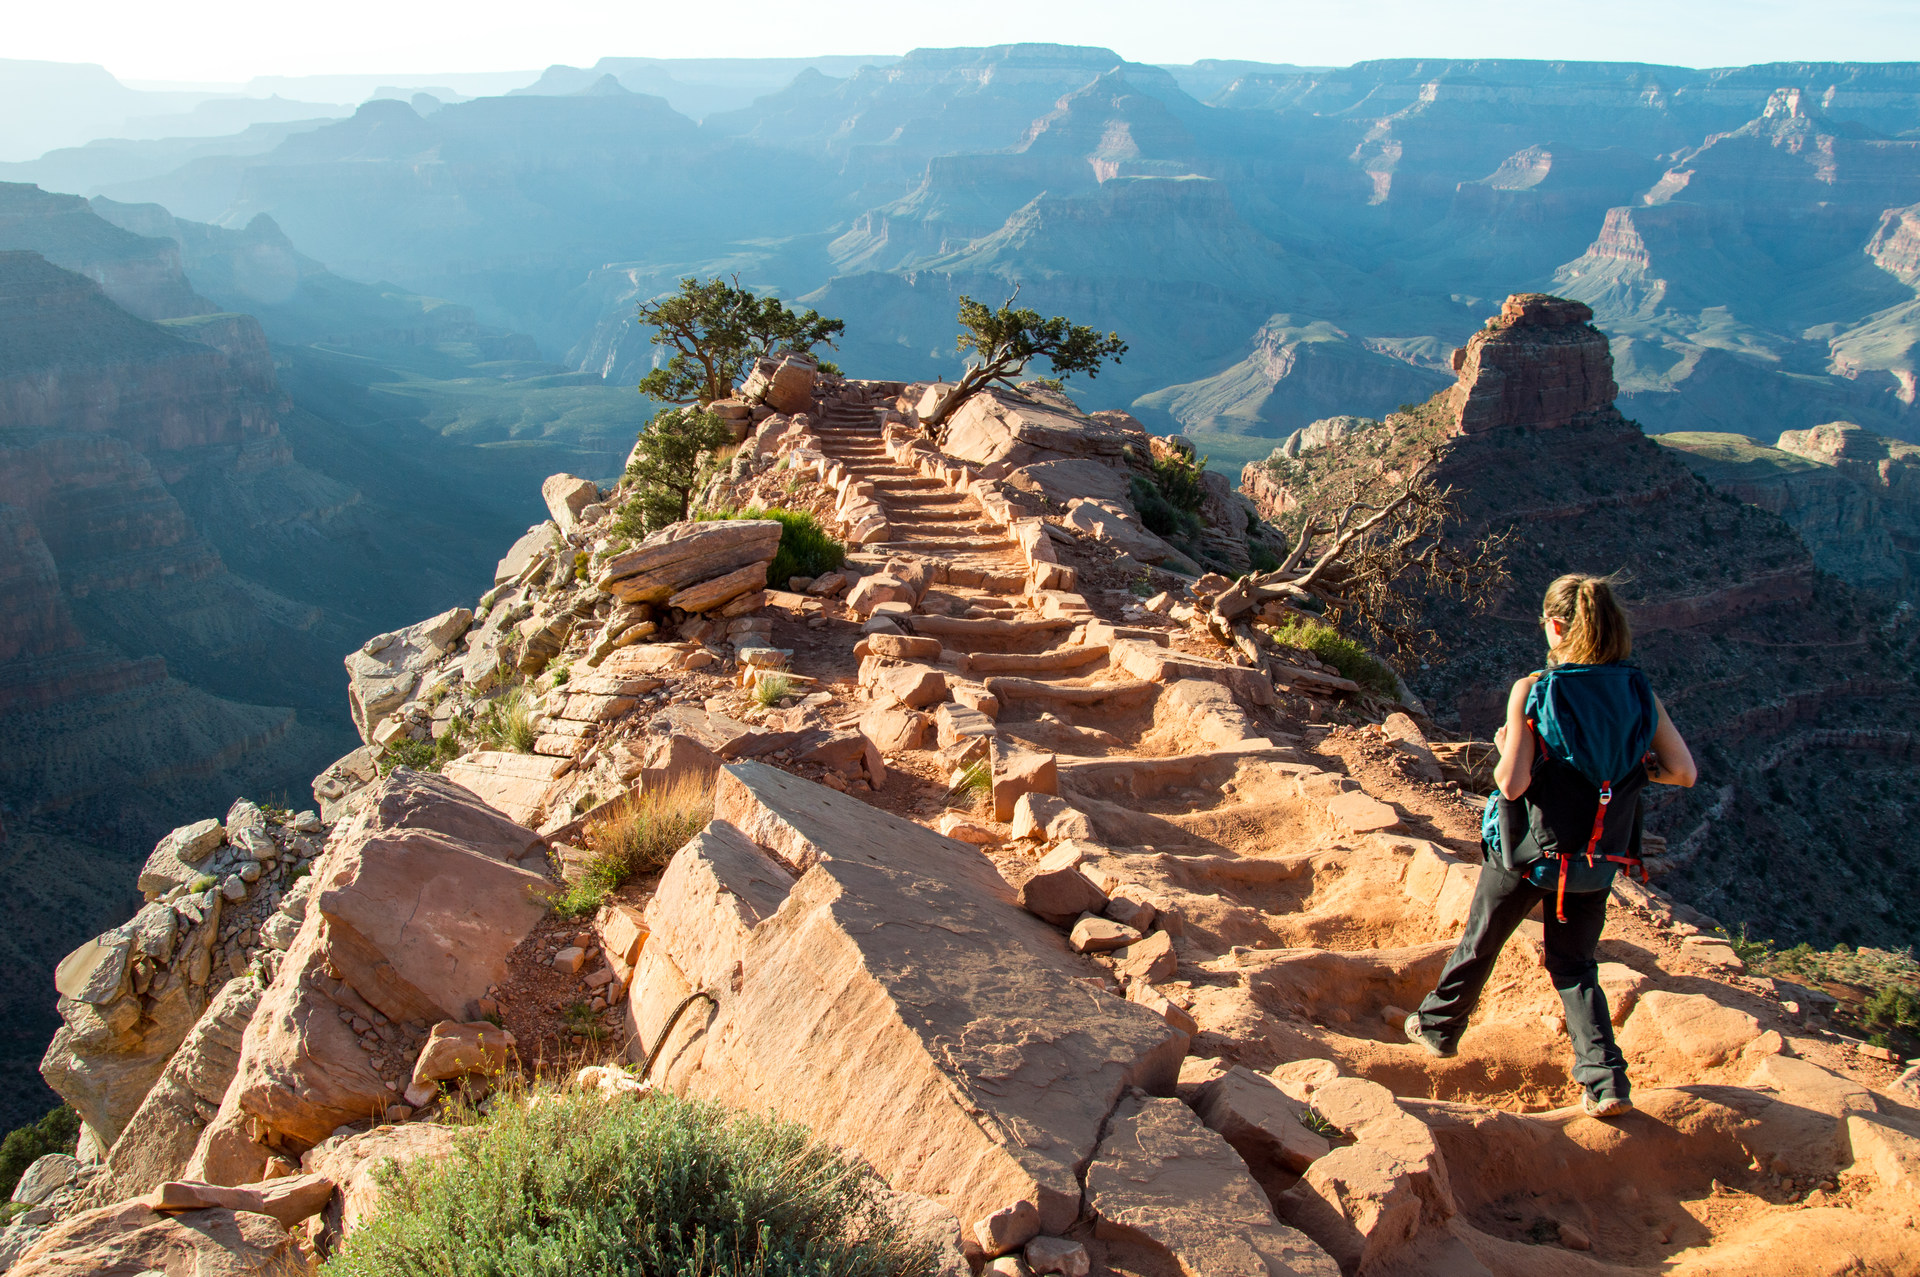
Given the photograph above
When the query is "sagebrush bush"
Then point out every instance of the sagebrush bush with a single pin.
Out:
(638, 835)
(805, 547)
(1339, 651)
(574, 1186)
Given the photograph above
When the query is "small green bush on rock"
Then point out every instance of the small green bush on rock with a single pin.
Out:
(1339, 651)
(57, 1132)
(573, 1186)
(805, 548)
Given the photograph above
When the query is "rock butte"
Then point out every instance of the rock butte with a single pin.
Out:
(1137, 1015)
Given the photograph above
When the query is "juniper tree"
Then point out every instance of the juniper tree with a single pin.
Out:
(714, 328)
(1004, 341)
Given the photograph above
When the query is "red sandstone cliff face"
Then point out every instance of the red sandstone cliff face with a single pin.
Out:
(1730, 615)
(1540, 363)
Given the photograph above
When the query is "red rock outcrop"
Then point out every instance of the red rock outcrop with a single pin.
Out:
(947, 1032)
(416, 904)
(1541, 363)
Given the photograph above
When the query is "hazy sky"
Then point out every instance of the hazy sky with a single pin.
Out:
(236, 39)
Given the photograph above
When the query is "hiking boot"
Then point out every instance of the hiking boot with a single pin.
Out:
(1609, 1106)
(1436, 1045)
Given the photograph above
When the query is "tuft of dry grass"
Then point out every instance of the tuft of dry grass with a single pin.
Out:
(769, 689)
(638, 836)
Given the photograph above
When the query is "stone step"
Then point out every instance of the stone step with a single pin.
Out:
(1027, 689)
(1060, 658)
(959, 627)
(945, 518)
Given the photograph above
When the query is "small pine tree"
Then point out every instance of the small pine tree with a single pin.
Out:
(666, 469)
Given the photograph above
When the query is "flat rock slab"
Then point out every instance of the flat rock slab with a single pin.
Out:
(1689, 1024)
(1163, 665)
(129, 1238)
(1163, 1180)
(515, 784)
(682, 553)
(898, 1000)
(1262, 1122)
(1361, 813)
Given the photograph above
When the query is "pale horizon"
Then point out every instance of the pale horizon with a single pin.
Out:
(229, 44)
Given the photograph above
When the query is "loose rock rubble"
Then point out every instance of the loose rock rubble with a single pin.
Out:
(1090, 929)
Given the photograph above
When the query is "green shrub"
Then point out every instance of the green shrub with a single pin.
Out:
(638, 836)
(57, 1132)
(671, 462)
(505, 722)
(1161, 516)
(421, 755)
(576, 1187)
(1339, 651)
(1892, 1007)
(1178, 478)
(805, 548)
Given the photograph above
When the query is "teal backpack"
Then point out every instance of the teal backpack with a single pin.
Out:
(1579, 820)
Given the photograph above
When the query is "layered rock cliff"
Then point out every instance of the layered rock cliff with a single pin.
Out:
(127, 448)
(1775, 672)
(1852, 496)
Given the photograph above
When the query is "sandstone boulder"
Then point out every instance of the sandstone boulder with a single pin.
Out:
(1116, 525)
(455, 1050)
(1689, 1025)
(707, 595)
(1000, 431)
(783, 383)
(685, 553)
(1263, 1123)
(355, 1162)
(918, 980)
(1162, 1180)
(416, 905)
(1049, 817)
(914, 686)
(384, 674)
(1366, 1201)
(566, 496)
(1018, 771)
(176, 858)
(537, 540)
(894, 727)
(133, 1240)
(1058, 891)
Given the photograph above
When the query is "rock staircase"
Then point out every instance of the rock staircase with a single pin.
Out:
(924, 517)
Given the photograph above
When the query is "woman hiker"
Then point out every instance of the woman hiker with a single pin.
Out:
(1582, 737)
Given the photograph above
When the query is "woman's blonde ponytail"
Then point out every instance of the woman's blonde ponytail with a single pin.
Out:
(1597, 631)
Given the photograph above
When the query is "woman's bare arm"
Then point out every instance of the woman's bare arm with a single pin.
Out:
(1672, 761)
(1514, 772)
